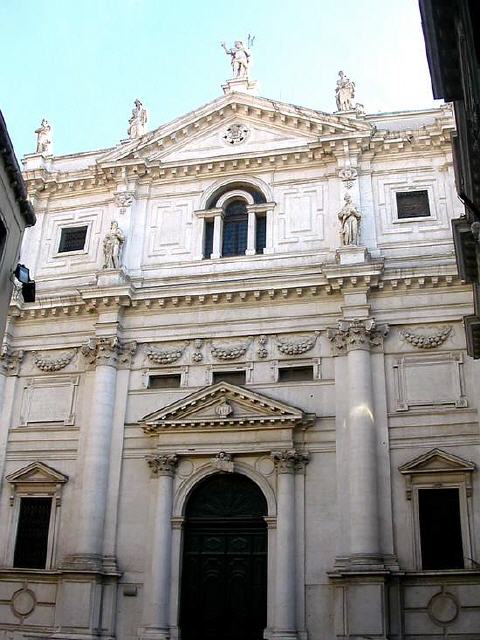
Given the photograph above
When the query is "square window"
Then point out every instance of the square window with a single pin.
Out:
(233, 377)
(31, 544)
(295, 374)
(72, 239)
(412, 204)
(165, 381)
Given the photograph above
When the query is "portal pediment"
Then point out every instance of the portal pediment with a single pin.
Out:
(222, 406)
(270, 124)
(437, 461)
(37, 473)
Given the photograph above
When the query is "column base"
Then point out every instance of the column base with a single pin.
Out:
(283, 635)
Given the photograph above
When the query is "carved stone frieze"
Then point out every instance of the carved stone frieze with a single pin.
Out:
(224, 409)
(124, 199)
(356, 334)
(10, 359)
(297, 346)
(223, 461)
(162, 464)
(197, 355)
(230, 351)
(262, 351)
(108, 351)
(422, 341)
(53, 364)
(165, 356)
(290, 460)
(348, 175)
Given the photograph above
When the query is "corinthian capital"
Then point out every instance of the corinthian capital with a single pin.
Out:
(10, 360)
(356, 334)
(108, 351)
(162, 464)
(290, 460)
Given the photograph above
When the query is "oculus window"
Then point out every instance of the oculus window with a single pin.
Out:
(72, 239)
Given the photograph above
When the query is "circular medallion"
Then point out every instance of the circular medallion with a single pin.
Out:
(185, 468)
(265, 466)
(23, 602)
(235, 134)
(443, 608)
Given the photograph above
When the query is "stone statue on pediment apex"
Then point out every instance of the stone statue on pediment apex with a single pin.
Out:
(344, 93)
(44, 137)
(138, 121)
(240, 57)
(112, 247)
(349, 218)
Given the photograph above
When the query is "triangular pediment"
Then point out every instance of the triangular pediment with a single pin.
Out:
(270, 123)
(37, 473)
(437, 461)
(225, 405)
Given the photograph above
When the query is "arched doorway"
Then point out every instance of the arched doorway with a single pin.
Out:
(224, 576)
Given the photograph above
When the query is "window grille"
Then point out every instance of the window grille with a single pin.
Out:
(235, 229)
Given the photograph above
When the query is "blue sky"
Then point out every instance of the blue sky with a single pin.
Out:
(81, 63)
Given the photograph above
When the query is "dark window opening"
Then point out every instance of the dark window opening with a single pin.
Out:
(261, 234)
(208, 239)
(235, 229)
(412, 204)
(164, 381)
(440, 529)
(72, 239)
(257, 195)
(233, 377)
(32, 533)
(295, 374)
(3, 238)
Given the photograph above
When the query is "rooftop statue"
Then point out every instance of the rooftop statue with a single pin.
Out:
(137, 121)
(240, 57)
(349, 222)
(344, 93)
(44, 137)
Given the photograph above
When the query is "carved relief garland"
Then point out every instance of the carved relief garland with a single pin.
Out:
(426, 341)
(297, 346)
(53, 364)
(229, 352)
(165, 356)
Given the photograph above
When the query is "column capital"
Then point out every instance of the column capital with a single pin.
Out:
(162, 464)
(10, 360)
(356, 334)
(290, 460)
(108, 351)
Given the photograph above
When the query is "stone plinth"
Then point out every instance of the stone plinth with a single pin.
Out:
(241, 85)
(111, 277)
(352, 254)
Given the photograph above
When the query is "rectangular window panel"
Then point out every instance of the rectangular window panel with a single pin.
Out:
(234, 377)
(295, 374)
(412, 204)
(261, 234)
(208, 240)
(32, 533)
(440, 529)
(164, 381)
(72, 239)
(235, 237)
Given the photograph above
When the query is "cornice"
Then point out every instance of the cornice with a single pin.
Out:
(330, 281)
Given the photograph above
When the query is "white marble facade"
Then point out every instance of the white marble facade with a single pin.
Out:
(391, 405)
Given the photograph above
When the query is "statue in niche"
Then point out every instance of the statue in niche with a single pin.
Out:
(240, 57)
(138, 120)
(112, 247)
(349, 222)
(344, 93)
(44, 137)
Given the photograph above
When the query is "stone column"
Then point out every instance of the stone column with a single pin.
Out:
(10, 361)
(217, 234)
(286, 463)
(251, 232)
(104, 353)
(157, 589)
(356, 338)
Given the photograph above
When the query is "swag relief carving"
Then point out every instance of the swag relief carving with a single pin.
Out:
(229, 351)
(297, 346)
(165, 356)
(53, 364)
(422, 341)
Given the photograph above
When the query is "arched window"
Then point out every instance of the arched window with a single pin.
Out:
(235, 229)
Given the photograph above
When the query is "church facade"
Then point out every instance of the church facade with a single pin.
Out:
(241, 406)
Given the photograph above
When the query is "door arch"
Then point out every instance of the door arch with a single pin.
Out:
(224, 575)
